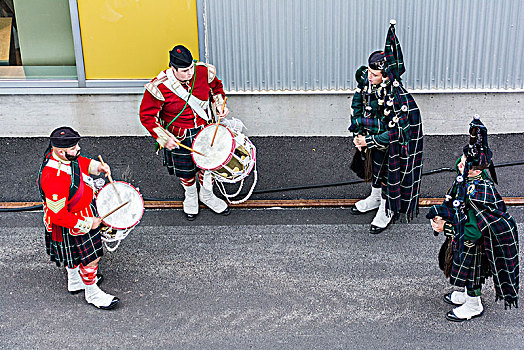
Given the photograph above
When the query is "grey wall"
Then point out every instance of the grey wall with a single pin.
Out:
(318, 44)
(264, 115)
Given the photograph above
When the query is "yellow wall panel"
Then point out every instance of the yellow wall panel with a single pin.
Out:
(131, 39)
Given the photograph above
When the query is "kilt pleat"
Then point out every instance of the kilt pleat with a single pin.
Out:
(379, 167)
(471, 269)
(179, 160)
(74, 249)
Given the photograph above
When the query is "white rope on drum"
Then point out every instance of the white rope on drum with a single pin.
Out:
(234, 194)
(111, 249)
(121, 235)
(222, 189)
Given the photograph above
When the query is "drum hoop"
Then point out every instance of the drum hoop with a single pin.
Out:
(233, 147)
(141, 214)
(220, 178)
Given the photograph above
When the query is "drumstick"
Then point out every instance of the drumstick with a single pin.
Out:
(190, 149)
(184, 146)
(112, 211)
(110, 179)
(218, 122)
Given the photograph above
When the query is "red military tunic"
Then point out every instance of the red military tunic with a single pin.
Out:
(160, 105)
(58, 208)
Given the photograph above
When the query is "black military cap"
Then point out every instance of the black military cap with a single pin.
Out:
(377, 60)
(64, 137)
(180, 57)
(477, 152)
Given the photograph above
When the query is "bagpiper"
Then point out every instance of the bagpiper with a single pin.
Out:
(387, 130)
(481, 236)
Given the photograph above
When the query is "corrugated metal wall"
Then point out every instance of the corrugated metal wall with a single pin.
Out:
(318, 44)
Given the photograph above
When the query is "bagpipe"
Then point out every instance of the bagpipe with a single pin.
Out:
(477, 156)
(446, 211)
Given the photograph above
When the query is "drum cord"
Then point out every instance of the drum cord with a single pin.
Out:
(291, 188)
(222, 189)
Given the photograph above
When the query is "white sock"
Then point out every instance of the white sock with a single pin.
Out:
(96, 296)
(371, 202)
(190, 203)
(74, 281)
(208, 197)
(472, 307)
(382, 218)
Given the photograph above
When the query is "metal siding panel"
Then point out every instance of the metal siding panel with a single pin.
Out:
(518, 60)
(318, 45)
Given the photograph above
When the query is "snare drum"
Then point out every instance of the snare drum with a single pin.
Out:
(122, 221)
(230, 159)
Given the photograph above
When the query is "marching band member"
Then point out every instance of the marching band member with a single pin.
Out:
(387, 130)
(70, 217)
(175, 107)
(482, 238)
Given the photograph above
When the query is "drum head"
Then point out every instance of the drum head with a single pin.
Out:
(217, 155)
(125, 217)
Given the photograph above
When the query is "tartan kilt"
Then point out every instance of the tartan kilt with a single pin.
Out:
(379, 167)
(473, 269)
(74, 250)
(179, 160)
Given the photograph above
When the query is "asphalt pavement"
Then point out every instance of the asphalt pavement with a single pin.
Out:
(258, 279)
(283, 163)
(267, 278)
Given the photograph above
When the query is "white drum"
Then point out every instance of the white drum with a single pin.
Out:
(230, 159)
(122, 221)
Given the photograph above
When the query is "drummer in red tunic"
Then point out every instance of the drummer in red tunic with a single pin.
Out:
(177, 104)
(71, 220)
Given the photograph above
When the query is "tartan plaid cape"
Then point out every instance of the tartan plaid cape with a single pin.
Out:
(404, 124)
(499, 230)
(405, 150)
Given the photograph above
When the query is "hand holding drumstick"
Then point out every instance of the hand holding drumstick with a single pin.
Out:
(173, 143)
(225, 111)
(104, 168)
(107, 170)
(218, 121)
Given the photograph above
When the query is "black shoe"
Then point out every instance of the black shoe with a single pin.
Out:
(100, 279)
(191, 217)
(450, 316)
(226, 212)
(376, 230)
(353, 210)
(447, 299)
(113, 304)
